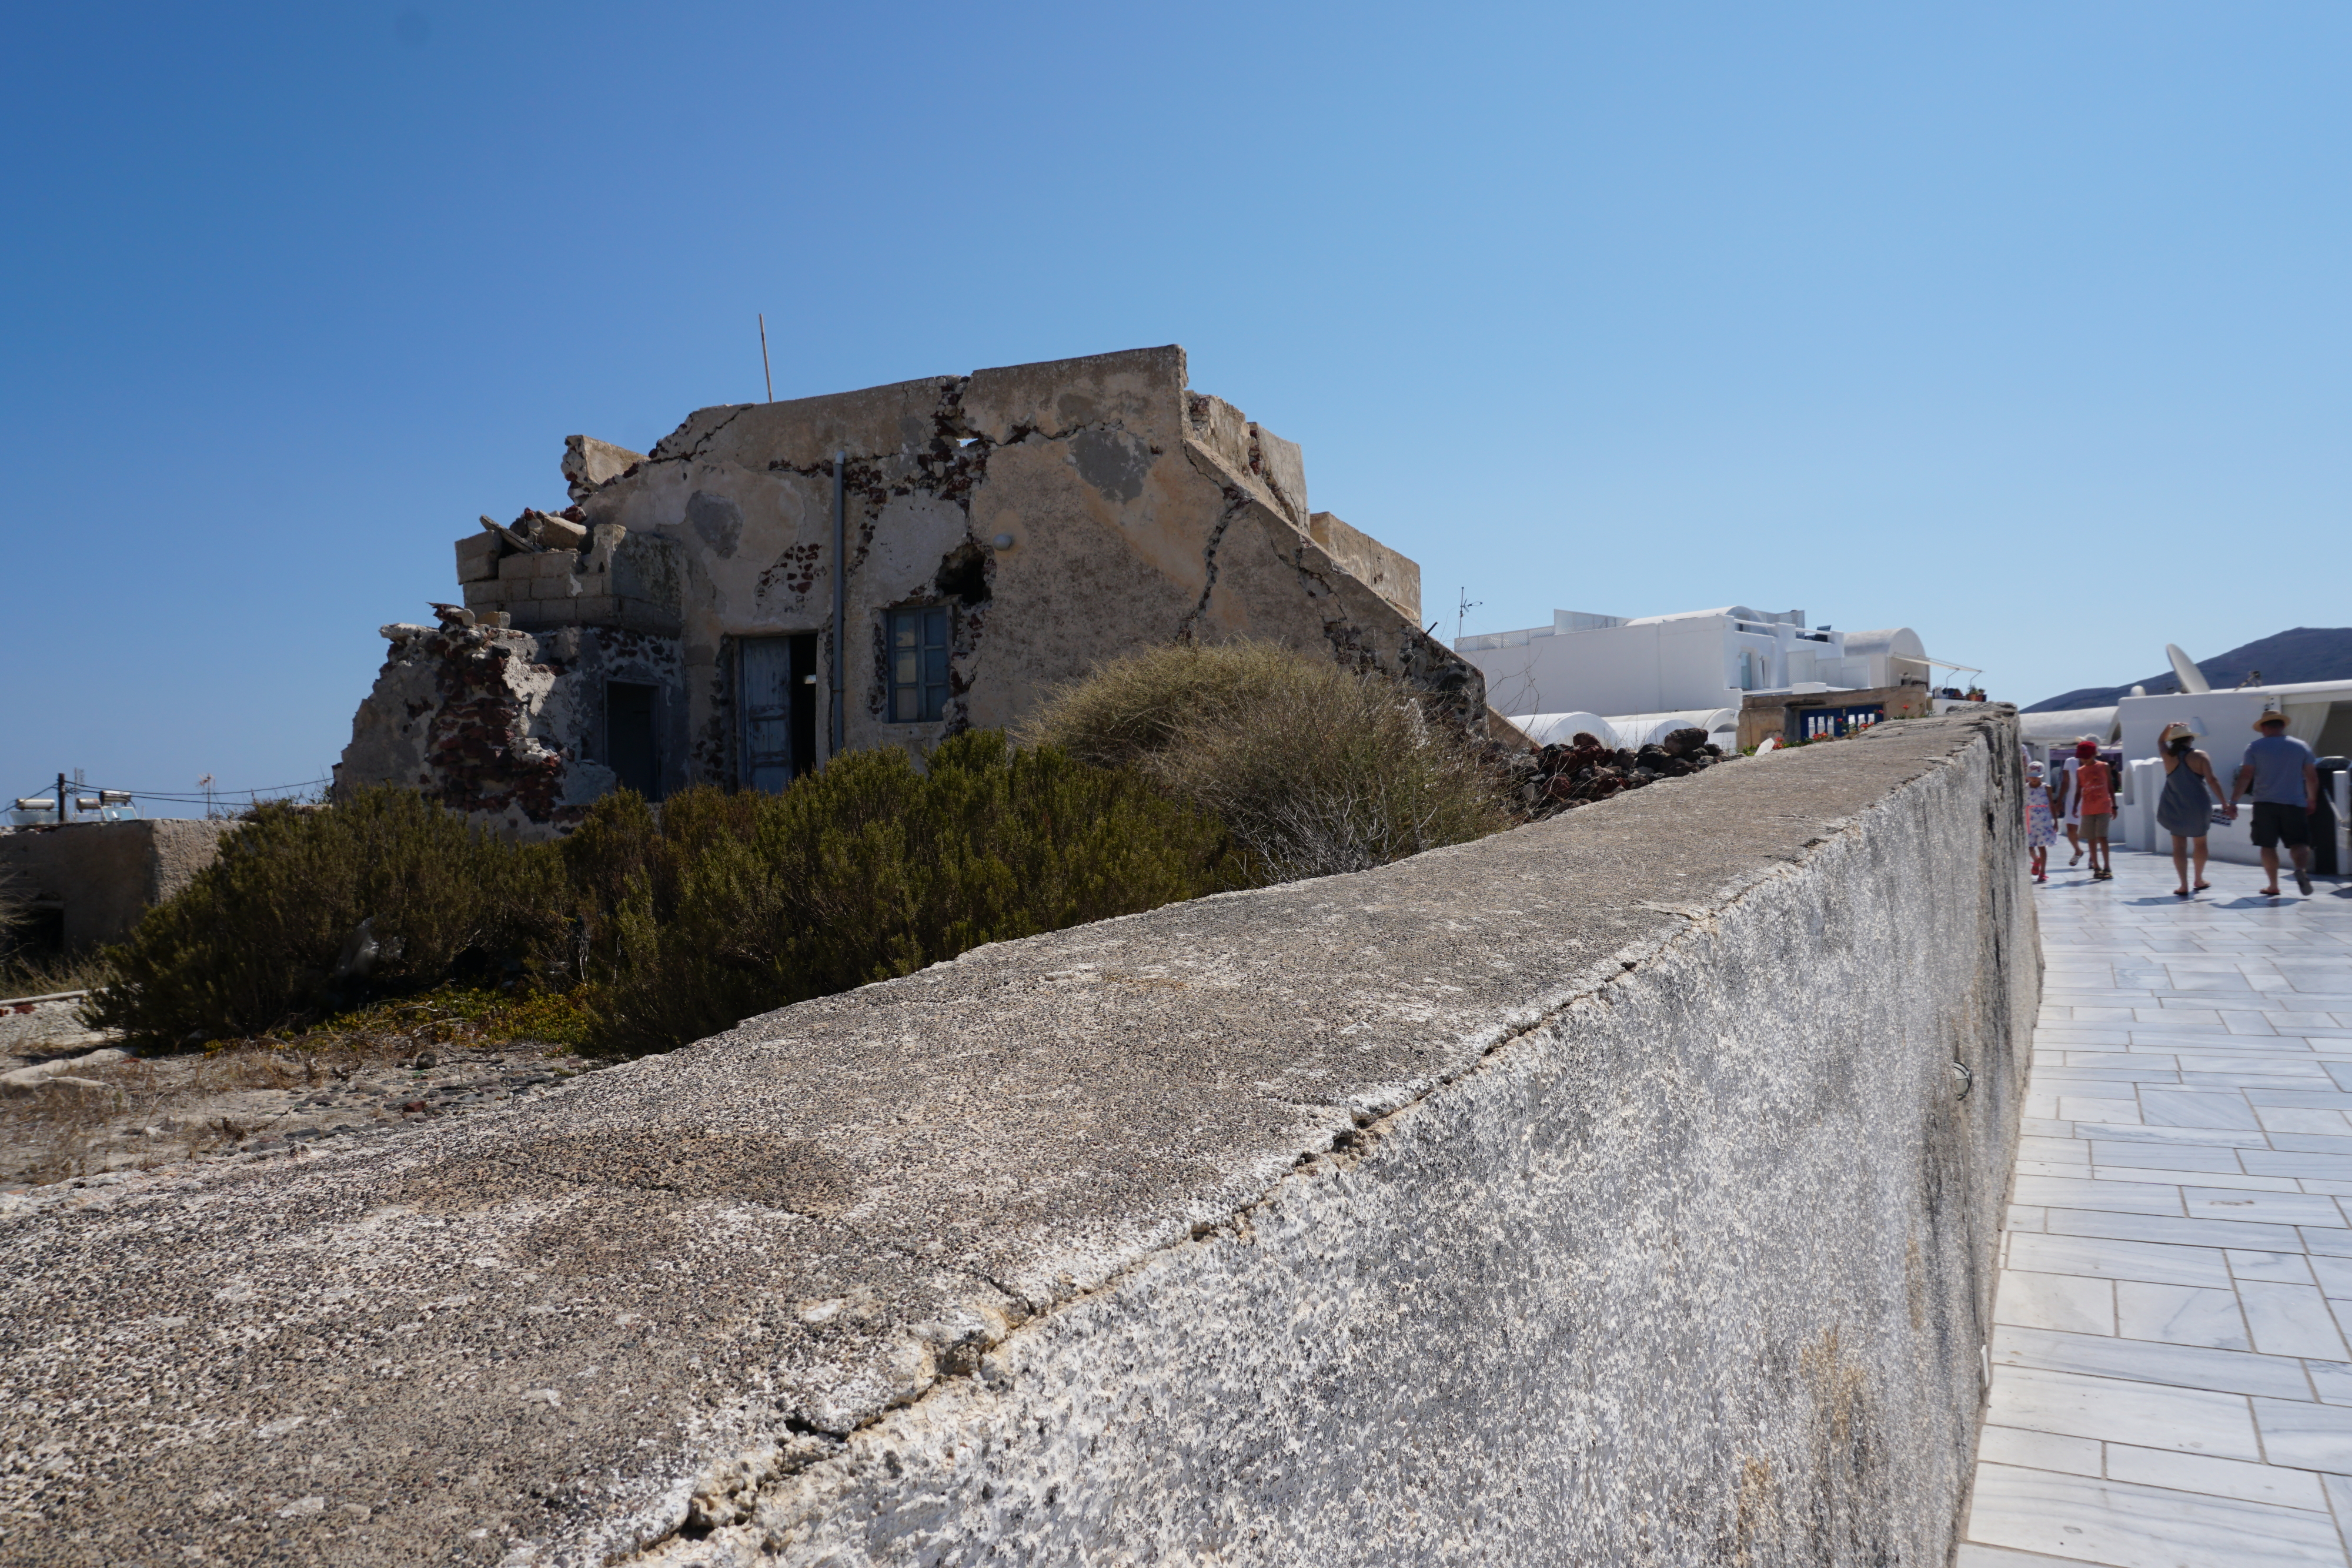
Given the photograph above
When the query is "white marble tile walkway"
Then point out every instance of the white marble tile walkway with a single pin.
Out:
(2172, 1379)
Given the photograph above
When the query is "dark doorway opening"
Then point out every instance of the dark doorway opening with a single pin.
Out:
(777, 678)
(629, 748)
(38, 938)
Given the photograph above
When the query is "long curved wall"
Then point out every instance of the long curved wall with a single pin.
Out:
(1622, 1190)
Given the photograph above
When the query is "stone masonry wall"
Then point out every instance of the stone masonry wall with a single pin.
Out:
(507, 725)
(1620, 1189)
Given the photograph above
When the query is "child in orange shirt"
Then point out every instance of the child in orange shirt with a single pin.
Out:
(2093, 783)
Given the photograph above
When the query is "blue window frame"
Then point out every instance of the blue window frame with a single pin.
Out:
(1838, 720)
(919, 663)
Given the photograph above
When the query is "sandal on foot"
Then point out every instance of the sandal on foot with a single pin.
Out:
(2203, 885)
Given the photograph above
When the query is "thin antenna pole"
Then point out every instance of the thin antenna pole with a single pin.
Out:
(763, 357)
(1462, 612)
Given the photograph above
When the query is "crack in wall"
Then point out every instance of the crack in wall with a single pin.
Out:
(1236, 500)
(703, 443)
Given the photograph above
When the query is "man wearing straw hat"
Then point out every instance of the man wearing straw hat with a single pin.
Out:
(2282, 775)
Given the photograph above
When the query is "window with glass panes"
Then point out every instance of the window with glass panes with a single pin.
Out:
(919, 663)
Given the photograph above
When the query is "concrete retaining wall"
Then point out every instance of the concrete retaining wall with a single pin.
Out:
(104, 875)
(1622, 1189)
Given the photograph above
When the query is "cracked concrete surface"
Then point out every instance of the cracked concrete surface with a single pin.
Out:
(1476, 1208)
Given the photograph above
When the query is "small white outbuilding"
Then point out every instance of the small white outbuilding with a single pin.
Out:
(1689, 667)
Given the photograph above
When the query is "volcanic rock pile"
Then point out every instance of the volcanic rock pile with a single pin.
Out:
(1556, 779)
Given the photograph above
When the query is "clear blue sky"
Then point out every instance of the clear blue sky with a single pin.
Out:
(2023, 325)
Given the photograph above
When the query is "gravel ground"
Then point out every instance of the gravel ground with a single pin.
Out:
(100, 1115)
(31, 1031)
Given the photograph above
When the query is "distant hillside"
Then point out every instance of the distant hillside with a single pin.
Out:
(2306, 654)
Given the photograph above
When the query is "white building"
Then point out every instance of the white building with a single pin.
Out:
(1655, 672)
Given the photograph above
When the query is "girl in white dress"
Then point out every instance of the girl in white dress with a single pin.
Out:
(2041, 829)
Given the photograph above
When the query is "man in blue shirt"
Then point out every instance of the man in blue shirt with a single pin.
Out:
(2278, 770)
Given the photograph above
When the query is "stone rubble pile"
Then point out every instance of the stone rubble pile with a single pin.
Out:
(1556, 779)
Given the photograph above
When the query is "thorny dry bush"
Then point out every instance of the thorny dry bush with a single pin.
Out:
(1315, 769)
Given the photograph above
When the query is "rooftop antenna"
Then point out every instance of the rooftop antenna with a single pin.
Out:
(1462, 612)
(206, 784)
(764, 372)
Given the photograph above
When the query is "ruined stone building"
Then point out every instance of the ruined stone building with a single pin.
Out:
(999, 533)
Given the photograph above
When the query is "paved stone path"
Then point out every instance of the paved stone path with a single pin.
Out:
(2171, 1382)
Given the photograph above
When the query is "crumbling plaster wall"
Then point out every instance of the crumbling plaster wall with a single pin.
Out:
(1136, 513)
(1393, 576)
(508, 727)
(1622, 1189)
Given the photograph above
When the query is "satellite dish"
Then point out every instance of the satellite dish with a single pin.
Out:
(2185, 670)
(2140, 690)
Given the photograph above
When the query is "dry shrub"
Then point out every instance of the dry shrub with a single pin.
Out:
(1131, 710)
(680, 923)
(733, 904)
(252, 942)
(16, 908)
(1315, 769)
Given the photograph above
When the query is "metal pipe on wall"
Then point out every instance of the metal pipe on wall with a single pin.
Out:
(840, 602)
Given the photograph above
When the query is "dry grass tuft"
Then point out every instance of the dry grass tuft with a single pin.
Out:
(1315, 769)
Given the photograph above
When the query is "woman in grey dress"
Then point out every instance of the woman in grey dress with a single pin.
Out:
(2185, 810)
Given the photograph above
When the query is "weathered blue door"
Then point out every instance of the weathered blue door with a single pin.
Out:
(776, 681)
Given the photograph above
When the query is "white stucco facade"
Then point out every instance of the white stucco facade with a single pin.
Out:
(1698, 661)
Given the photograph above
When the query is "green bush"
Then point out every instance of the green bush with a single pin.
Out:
(252, 943)
(667, 925)
(869, 869)
(1315, 769)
